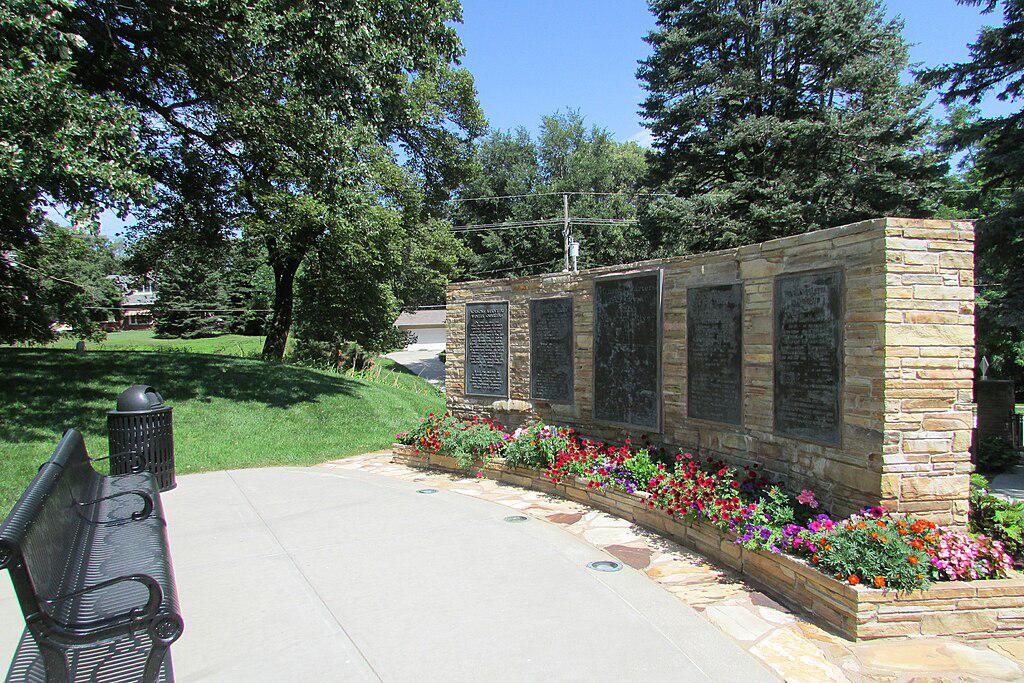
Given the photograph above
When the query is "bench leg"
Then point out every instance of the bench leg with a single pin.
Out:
(155, 663)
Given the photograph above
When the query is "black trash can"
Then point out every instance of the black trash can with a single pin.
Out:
(140, 433)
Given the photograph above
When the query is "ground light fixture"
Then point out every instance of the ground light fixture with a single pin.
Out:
(515, 519)
(427, 491)
(604, 566)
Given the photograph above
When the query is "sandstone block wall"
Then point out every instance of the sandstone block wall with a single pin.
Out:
(908, 357)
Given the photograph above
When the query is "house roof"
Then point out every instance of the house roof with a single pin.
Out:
(139, 299)
(422, 317)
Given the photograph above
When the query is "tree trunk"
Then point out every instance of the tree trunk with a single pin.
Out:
(284, 300)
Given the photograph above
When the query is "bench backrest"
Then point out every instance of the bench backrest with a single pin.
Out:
(38, 538)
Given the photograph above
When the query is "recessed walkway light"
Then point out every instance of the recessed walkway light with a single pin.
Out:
(604, 566)
(427, 491)
(515, 519)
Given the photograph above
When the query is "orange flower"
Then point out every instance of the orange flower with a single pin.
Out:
(849, 527)
(862, 525)
(879, 582)
(902, 532)
(880, 523)
(884, 540)
(814, 558)
(853, 579)
(917, 543)
(912, 559)
(874, 535)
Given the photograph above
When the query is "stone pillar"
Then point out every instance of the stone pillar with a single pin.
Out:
(929, 368)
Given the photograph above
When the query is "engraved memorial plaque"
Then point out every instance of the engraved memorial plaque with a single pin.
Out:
(809, 356)
(551, 341)
(714, 353)
(627, 350)
(487, 349)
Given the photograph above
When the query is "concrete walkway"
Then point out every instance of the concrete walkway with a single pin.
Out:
(422, 362)
(323, 574)
(1009, 484)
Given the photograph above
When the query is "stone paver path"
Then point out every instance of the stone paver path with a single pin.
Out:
(791, 645)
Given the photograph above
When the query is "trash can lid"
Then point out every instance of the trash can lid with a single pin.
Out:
(139, 397)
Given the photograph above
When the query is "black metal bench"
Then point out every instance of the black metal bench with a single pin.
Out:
(91, 569)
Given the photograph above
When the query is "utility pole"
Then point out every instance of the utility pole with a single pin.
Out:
(566, 235)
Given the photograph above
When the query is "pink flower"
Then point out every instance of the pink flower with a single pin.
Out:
(807, 498)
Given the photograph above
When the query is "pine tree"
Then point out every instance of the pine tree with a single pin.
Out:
(776, 117)
(190, 299)
(994, 146)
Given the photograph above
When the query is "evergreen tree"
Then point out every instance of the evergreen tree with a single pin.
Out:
(190, 299)
(776, 117)
(249, 287)
(566, 156)
(994, 147)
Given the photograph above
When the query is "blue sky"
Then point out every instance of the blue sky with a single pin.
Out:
(532, 57)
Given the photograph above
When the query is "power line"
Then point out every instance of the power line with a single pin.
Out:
(459, 200)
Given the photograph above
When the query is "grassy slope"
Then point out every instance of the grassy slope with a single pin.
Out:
(229, 412)
(143, 340)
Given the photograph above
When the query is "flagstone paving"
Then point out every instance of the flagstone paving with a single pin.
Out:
(794, 647)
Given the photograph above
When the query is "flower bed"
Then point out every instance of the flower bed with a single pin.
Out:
(873, 575)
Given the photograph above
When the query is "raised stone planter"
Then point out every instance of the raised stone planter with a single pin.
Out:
(972, 610)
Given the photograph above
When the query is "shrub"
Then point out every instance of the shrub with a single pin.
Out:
(535, 446)
(995, 454)
(471, 442)
(997, 518)
(873, 548)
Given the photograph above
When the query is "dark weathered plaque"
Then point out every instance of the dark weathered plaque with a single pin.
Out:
(809, 356)
(714, 353)
(487, 349)
(551, 343)
(627, 350)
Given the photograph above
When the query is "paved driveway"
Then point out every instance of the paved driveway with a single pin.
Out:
(422, 362)
(324, 574)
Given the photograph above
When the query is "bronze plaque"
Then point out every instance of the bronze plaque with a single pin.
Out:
(714, 353)
(551, 340)
(627, 350)
(809, 356)
(487, 349)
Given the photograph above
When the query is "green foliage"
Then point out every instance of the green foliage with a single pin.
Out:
(774, 511)
(641, 468)
(302, 109)
(997, 518)
(994, 178)
(863, 550)
(566, 156)
(535, 446)
(779, 117)
(58, 278)
(995, 454)
(190, 299)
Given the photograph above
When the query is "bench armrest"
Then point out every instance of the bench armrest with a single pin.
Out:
(146, 511)
(138, 460)
(71, 633)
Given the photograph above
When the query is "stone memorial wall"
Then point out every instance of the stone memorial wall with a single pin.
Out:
(839, 360)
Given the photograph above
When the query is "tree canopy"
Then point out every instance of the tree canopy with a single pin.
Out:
(305, 108)
(994, 182)
(566, 155)
(776, 117)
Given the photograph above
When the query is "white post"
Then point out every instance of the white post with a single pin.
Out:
(565, 229)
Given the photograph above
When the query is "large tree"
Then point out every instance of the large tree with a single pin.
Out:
(566, 155)
(994, 145)
(775, 117)
(297, 102)
(62, 281)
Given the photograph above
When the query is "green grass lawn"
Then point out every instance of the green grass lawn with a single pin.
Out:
(143, 340)
(229, 412)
